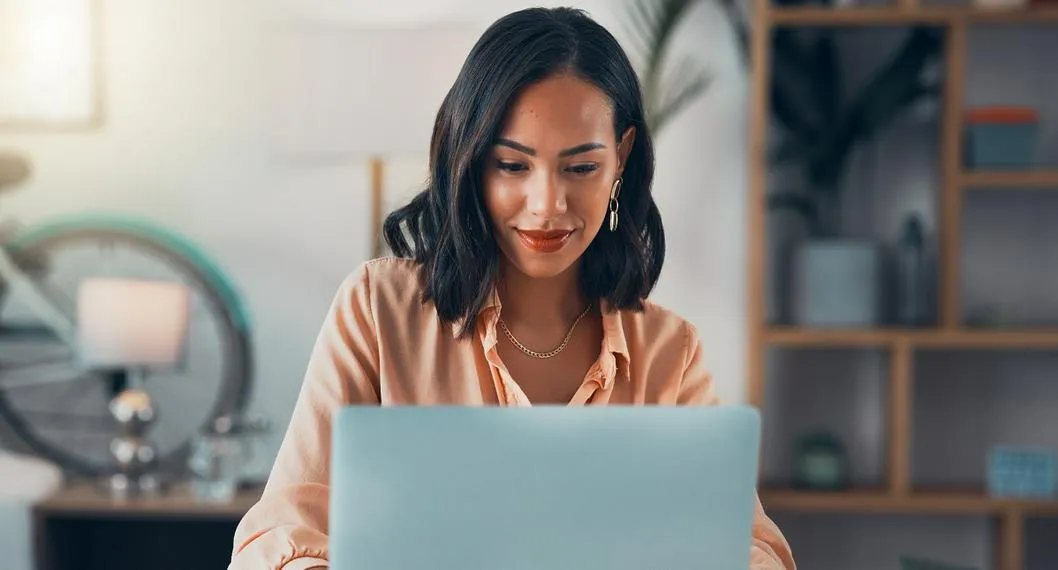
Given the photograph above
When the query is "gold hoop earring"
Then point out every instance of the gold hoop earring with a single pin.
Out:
(615, 190)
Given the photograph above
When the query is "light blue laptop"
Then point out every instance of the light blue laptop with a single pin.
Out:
(543, 488)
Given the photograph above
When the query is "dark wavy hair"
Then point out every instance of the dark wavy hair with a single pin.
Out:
(446, 227)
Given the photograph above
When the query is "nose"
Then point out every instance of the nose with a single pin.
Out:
(546, 197)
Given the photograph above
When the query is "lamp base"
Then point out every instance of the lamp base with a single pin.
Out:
(123, 486)
(133, 452)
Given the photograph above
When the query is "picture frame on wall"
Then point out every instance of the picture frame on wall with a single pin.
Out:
(51, 72)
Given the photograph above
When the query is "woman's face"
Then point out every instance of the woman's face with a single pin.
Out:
(549, 175)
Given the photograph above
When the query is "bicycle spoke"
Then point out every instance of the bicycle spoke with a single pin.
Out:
(41, 376)
(27, 333)
(62, 301)
(23, 365)
(65, 421)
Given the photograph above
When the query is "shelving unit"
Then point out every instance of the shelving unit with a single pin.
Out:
(908, 13)
(924, 502)
(1043, 179)
(1042, 339)
(899, 495)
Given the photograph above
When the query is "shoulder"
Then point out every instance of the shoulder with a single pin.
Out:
(658, 328)
(389, 290)
(387, 281)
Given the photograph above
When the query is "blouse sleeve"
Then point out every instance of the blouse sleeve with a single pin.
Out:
(287, 528)
(769, 550)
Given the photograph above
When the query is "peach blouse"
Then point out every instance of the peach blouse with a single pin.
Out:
(380, 345)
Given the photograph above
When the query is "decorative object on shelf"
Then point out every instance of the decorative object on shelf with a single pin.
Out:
(915, 563)
(652, 24)
(821, 128)
(1021, 472)
(221, 454)
(129, 328)
(836, 283)
(1001, 138)
(912, 287)
(822, 463)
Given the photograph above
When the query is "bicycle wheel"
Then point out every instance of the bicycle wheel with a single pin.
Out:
(59, 411)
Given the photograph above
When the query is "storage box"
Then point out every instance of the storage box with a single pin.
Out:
(837, 284)
(1001, 138)
(1021, 472)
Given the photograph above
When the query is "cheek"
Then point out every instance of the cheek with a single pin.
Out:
(499, 200)
(591, 204)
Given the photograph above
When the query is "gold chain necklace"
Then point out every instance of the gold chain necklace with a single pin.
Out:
(551, 353)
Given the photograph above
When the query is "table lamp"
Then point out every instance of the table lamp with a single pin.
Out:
(127, 328)
(371, 93)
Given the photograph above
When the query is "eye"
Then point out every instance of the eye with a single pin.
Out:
(583, 169)
(507, 166)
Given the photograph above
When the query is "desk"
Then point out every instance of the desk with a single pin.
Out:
(82, 528)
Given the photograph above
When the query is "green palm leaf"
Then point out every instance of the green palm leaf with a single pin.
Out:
(652, 25)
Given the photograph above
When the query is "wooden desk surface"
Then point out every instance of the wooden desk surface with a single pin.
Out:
(89, 500)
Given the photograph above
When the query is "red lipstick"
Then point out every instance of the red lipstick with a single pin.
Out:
(544, 241)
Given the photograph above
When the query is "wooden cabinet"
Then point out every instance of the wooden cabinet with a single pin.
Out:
(82, 528)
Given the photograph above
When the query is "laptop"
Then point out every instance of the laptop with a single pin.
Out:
(543, 488)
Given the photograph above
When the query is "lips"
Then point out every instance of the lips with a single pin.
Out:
(544, 241)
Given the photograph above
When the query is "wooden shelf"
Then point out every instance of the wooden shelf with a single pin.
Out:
(883, 502)
(936, 338)
(1038, 179)
(831, 338)
(908, 16)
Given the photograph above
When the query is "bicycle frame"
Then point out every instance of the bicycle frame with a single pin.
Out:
(38, 302)
(62, 325)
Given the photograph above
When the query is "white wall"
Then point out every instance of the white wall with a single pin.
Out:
(186, 144)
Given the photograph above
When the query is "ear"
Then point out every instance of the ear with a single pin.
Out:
(624, 148)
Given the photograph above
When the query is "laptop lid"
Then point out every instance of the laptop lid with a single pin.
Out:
(543, 488)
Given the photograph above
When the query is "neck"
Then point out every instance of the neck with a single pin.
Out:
(540, 302)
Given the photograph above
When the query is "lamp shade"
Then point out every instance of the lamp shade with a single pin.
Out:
(129, 323)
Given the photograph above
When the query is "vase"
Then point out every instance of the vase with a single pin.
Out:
(837, 284)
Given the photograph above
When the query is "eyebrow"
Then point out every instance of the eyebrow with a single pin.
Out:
(581, 148)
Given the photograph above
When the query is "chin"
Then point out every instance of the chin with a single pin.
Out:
(538, 265)
(538, 269)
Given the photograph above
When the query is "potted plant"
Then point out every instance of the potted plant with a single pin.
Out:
(836, 278)
(651, 25)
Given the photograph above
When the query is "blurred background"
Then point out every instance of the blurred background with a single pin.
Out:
(855, 195)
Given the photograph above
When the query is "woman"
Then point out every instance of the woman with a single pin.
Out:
(521, 277)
